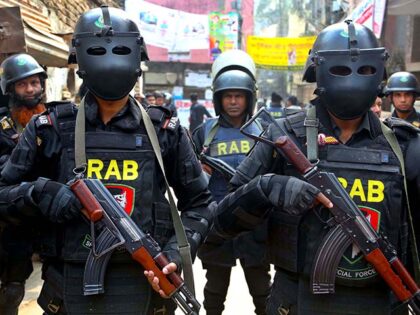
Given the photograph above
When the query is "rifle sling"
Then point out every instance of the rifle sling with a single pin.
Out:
(311, 124)
(211, 135)
(393, 142)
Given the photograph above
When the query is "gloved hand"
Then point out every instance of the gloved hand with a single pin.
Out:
(55, 200)
(291, 194)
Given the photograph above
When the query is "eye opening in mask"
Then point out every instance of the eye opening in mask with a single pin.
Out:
(96, 51)
(341, 71)
(366, 70)
(121, 50)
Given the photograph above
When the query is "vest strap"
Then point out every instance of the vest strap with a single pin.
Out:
(312, 123)
(183, 245)
(79, 137)
(212, 133)
(393, 142)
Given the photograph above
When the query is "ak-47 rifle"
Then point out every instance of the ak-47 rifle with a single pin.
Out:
(218, 165)
(348, 226)
(117, 229)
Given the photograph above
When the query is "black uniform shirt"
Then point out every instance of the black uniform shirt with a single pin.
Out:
(197, 113)
(38, 154)
(360, 134)
(413, 118)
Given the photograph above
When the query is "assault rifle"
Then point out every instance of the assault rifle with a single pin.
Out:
(348, 226)
(218, 165)
(118, 229)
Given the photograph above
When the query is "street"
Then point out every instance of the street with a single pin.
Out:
(238, 300)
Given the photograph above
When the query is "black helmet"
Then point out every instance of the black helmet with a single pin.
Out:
(402, 82)
(109, 50)
(234, 69)
(348, 66)
(234, 80)
(18, 67)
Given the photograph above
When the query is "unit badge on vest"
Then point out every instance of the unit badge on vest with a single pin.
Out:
(325, 140)
(416, 124)
(171, 123)
(124, 195)
(353, 266)
(6, 123)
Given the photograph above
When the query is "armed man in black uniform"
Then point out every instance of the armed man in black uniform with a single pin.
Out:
(118, 151)
(343, 136)
(234, 90)
(276, 108)
(23, 80)
(403, 89)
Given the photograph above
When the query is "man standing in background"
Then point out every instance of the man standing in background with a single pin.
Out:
(234, 101)
(23, 80)
(276, 109)
(403, 88)
(197, 112)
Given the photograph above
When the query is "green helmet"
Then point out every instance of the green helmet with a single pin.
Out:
(402, 82)
(18, 67)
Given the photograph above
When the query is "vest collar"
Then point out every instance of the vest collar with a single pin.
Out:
(127, 119)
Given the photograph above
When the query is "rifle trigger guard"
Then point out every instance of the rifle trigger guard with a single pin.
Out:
(331, 222)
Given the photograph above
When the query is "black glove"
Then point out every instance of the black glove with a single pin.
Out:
(55, 200)
(291, 194)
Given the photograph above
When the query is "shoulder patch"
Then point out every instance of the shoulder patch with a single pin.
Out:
(43, 120)
(297, 123)
(171, 123)
(416, 124)
(397, 123)
(6, 123)
(158, 114)
(63, 109)
(56, 103)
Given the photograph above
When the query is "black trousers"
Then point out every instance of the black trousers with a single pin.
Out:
(291, 295)
(126, 292)
(15, 268)
(218, 279)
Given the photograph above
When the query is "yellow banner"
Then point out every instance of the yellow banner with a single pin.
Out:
(280, 53)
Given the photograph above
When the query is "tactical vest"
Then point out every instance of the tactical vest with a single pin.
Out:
(229, 145)
(125, 163)
(276, 112)
(372, 177)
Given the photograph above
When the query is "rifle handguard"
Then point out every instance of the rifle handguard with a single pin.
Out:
(294, 154)
(91, 206)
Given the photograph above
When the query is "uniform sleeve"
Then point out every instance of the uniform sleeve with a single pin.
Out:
(14, 192)
(22, 170)
(22, 159)
(198, 138)
(413, 182)
(247, 205)
(261, 160)
(190, 187)
(206, 112)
